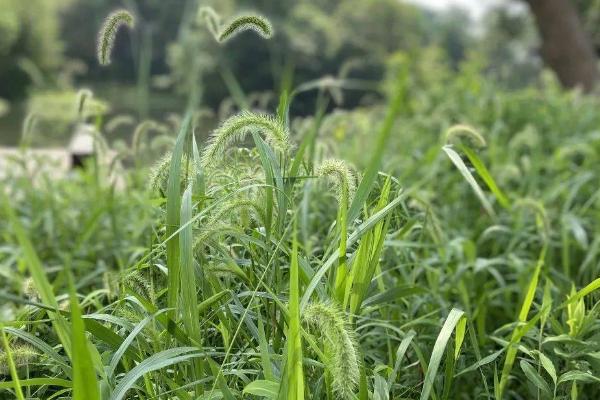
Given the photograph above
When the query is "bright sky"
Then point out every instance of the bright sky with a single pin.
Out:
(476, 7)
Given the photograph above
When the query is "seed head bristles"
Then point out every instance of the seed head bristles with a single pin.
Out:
(30, 290)
(235, 129)
(205, 235)
(541, 216)
(211, 18)
(466, 131)
(82, 96)
(119, 121)
(340, 346)
(159, 175)
(108, 33)
(163, 141)
(229, 207)
(139, 132)
(343, 177)
(140, 284)
(242, 23)
(22, 355)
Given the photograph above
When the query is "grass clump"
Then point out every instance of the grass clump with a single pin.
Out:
(447, 270)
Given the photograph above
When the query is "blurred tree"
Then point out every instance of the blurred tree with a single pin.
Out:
(589, 10)
(29, 43)
(508, 45)
(566, 47)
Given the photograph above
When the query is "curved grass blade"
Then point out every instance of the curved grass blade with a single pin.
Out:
(173, 217)
(262, 388)
(535, 378)
(361, 230)
(462, 168)
(38, 382)
(153, 363)
(130, 338)
(368, 180)
(402, 348)
(518, 332)
(453, 319)
(16, 383)
(42, 346)
(85, 382)
(486, 176)
(38, 274)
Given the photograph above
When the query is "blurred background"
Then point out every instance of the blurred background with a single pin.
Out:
(48, 52)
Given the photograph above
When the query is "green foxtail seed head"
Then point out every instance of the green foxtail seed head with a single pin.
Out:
(342, 176)
(82, 96)
(30, 290)
(467, 131)
(4, 107)
(254, 22)
(140, 130)
(22, 355)
(235, 128)
(162, 142)
(140, 284)
(340, 346)
(119, 121)
(159, 174)
(213, 21)
(575, 314)
(108, 33)
(241, 204)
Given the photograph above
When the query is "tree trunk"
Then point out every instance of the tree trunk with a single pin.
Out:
(566, 48)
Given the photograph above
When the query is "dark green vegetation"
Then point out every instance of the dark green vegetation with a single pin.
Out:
(468, 268)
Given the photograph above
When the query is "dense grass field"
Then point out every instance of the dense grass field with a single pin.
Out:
(442, 244)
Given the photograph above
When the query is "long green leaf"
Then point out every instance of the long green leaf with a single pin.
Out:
(361, 230)
(295, 374)
(462, 168)
(16, 382)
(153, 363)
(439, 348)
(173, 216)
(85, 382)
(368, 180)
(262, 388)
(511, 353)
(38, 274)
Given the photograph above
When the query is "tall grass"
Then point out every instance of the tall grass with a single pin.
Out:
(229, 270)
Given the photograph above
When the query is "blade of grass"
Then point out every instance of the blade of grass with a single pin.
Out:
(173, 216)
(38, 382)
(486, 176)
(511, 353)
(366, 184)
(157, 361)
(439, 348)
(358, 233)
(38, 274)
(462, 168)
(16, 383)
(85, 382)
(295, 377)
(189, 293)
